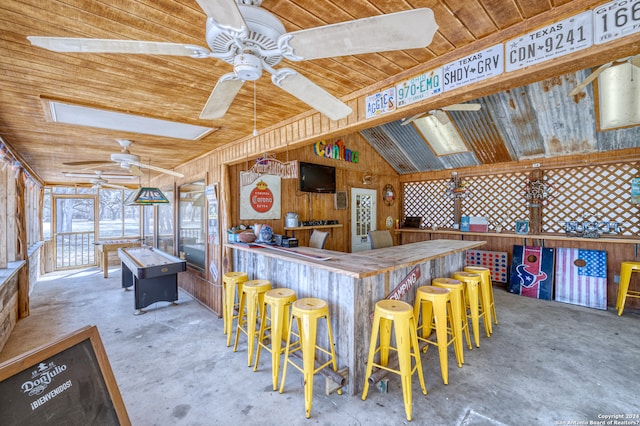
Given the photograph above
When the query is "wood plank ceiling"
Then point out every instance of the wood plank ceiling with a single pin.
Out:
(176, 88)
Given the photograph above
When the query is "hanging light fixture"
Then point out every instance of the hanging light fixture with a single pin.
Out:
(146, 196)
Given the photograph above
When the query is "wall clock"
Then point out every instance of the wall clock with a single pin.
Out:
(389, 222)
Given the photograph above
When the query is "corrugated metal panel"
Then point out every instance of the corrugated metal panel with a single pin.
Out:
(478, 130)
(566, 123)
(389, 150)
(520, 123)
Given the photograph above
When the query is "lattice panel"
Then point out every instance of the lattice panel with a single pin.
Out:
(495, 198)
(600, 192)
(593, 192)
(429, 200)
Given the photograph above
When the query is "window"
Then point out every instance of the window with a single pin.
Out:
(116, 219)
(191, 224)
(165, 224)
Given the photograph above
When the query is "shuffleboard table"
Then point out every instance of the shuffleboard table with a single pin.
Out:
(152, 273)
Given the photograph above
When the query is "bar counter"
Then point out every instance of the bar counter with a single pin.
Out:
(352, 283)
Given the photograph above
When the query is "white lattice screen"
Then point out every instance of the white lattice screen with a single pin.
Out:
(495, 198)
(428, 199)
(592, 192)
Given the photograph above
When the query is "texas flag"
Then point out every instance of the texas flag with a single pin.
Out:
(581, 277)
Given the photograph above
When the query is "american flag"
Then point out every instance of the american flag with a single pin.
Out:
(581, 285)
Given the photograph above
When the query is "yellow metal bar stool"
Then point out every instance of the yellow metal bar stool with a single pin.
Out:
(626, 268)
(400, 315)
(430, 309)
(278, 301)
(460, 322)
(472, 302)
(231, 286)
(251, 301)
(306, 313)
(486, 290)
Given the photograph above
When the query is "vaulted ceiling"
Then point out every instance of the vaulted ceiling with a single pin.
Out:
(176, 88)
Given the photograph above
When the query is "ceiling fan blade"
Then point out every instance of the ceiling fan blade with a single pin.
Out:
(462, 107)
(636, 60)
(88, 163)
(92, 175)
(584, 83)
(411, 119)
(135, 170)
(224, 12)
(157, 169)
(221, 97)
(108, 185)
(90, 45)
(442, 116)
(409, 29)
(311, 94)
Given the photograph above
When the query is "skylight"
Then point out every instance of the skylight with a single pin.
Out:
(440, 134)
(103, 119)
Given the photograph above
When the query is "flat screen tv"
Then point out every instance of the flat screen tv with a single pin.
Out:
(317, 178)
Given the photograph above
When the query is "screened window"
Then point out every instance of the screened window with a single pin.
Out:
(191, 224)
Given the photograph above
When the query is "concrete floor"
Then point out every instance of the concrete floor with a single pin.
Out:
(547, 363)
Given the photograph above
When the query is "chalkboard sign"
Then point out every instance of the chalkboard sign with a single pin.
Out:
(67, 382)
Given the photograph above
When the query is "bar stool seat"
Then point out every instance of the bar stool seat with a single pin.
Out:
(473, 301)
(461, 324)
(404, 326)
(432, 307)
(278, 301)
(232, 289)
(626, 268)
(251, 302)
(486, 290)
(306, 313)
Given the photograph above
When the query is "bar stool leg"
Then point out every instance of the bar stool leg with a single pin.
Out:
(230, 302)
(372, 352)
(472, 293)
(385, 340)
(625, 278)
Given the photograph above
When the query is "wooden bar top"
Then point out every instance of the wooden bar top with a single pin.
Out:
(366, 263)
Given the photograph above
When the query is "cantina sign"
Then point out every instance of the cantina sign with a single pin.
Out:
(337, 151)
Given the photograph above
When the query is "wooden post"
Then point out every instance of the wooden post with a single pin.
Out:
(535, 205)
(22, 249)
(4, 222)
(227, 262)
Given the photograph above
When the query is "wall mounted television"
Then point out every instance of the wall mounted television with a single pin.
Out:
(317, 178)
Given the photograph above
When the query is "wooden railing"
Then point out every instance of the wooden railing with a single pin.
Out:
(75, 249)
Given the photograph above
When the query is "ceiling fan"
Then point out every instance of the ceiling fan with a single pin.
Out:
(126, 160)
(253, 39)
(634, 60)
(441, 114)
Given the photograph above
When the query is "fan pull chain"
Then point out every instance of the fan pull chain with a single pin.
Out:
(255, 130)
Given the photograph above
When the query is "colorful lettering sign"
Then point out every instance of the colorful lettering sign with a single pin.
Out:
(336, 151)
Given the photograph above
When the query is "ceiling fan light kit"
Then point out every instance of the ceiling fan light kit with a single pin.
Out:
(253, 39)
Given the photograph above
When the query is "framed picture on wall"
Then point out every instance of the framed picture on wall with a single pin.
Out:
(522, 226)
